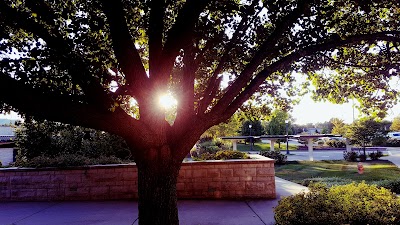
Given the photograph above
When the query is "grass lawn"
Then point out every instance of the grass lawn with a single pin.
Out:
(337, 172)
(263, 147)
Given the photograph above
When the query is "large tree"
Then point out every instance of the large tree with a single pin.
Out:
(365, 131)
(83, 62)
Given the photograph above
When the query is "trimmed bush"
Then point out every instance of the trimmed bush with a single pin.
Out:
(279, 158)
(50, 139)
(375, 155)
(393, 142)
(67, 160)
(350, 156)
(336, 144)
(393, 185)
(328, 181)
(231, 154)
(347, 204)
(222, 155)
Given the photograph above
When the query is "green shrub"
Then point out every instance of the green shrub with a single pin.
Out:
(336, 143)
(207, 146)
(347, 204)
(328, 181)
(362, 157)
(231, 154)
(375, 155)
(379, 141)
(393, 142)
(207, 156)
(50, 139)
(350, 156)
(222, 155)
(393, 185)
(279, 158)
(66, 160)
(193, 153)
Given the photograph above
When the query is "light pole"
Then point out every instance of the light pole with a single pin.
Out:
(251, 138)
(287, 137)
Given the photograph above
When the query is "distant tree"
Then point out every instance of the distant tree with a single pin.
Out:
(277, 124)
(395, 124)
(298, 129)
(256, 128)
(339, 127)
(230, 128)
(365, 131)
(326, 127)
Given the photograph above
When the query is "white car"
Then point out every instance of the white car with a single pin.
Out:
(394, 135)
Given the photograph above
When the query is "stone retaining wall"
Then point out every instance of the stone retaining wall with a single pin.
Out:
(231, 179)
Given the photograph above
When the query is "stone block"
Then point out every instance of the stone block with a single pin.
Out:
(213, 173)
(226, 172)
(199, 173)
(245, 172)
(99, 191)
(73, 178)
(180, 186)
(265, 171)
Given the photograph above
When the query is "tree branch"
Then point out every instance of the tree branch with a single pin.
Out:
(179, 36)
(245, 76)
(213, 82)
(155, 31)
(125, 50)
(56, 107)
(75, 64)
(350, 64)
(292, 57)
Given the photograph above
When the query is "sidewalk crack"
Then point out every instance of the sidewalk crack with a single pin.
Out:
(15, 223)
(247, 203)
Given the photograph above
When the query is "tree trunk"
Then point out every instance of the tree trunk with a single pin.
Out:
(157, 179)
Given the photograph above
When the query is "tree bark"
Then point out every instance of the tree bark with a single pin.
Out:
(157, 178)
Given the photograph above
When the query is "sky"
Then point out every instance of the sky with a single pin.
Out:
(308, 111)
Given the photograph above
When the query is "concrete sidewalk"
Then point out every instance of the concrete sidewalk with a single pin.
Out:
(196, 212)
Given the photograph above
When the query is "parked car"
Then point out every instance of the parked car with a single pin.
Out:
(394, 135)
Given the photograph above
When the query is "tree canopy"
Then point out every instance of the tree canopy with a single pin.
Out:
(104, 64)
(395, 124)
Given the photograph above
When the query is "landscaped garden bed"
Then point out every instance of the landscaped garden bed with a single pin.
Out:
(214, 179)
(380, 172)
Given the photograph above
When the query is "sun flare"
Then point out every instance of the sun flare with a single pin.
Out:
(167, 101)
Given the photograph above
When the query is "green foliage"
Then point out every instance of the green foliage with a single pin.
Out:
(230, 154)
(277, 124)
(347, 204)
(222, 155)
(395, 124)
(363, 132)
(279, 158)
(379, 141)
(210, 145)
(375, 155)
(338, 126)
(55, 140)
(256, 128)
(350, 156)
(328, 181)
(66, 160)
(373, 171)
(230, 128)
(391, 142)
(336, 143)
(393, 185)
